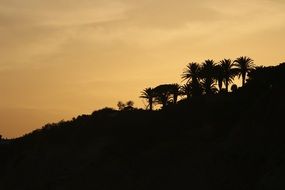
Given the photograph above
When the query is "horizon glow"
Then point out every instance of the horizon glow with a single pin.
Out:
(60, 59)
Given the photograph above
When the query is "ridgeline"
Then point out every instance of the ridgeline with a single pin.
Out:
(226, 141)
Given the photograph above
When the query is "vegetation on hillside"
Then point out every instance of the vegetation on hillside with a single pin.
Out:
(207, 78)
(204, 137)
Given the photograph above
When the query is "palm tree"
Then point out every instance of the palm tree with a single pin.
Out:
(175, 91)
(243, 66)
(192, 75)
(234, 88)
(162, 94)
(148, 93)
(219, 76)
(208, 75)
(209, 86)
(192, 72)
(186, 90)
(228, 72)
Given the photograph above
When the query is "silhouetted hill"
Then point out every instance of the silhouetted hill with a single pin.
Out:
(223, 141)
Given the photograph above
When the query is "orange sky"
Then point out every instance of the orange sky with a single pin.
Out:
(62, 58)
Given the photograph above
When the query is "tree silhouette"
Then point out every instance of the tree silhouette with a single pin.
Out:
(148, 94)
(121, 105)
(125, 106)
(130, 103)
(208, 76)
(228, 72)
(209, 86)
(163, 94)
(234, 88)
(192, 75)
(243, 66)
(267, 77)
(174, 89)
(186, 90)
(257, 77)
(219, 75)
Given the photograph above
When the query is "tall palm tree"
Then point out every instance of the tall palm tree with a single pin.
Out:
(228, 72)
(148, 94)
(243, 66)
(192, 75)
(208, 75)
(219, 76)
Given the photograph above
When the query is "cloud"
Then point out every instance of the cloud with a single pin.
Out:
(171, 14)
(35, 30)
(32, 29)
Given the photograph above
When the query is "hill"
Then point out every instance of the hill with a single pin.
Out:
(223, 141)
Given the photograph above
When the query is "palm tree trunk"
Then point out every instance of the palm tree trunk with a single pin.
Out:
(150, 104)
(208, 87)
(243, 78)
(227, 85)
(164, 104)
(175, 98)
(220, 85)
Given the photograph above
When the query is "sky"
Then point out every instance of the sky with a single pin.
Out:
(63, 58)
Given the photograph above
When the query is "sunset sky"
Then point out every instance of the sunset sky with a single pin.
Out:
(62, 58)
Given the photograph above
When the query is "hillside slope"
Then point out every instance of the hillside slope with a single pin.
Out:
(233, 141)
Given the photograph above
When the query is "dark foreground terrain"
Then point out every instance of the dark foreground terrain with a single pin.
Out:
(232, 141)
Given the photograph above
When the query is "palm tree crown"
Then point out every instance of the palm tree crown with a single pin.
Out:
(243, 66)
(228, 72)
(175, 91)
(163, 94)
(192, 72)
(208, 75)
(148, 93)
(187, 90)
